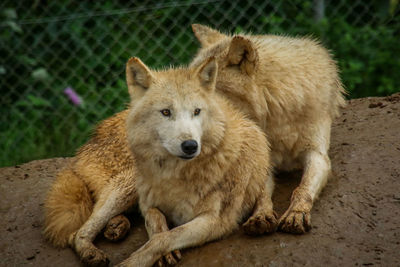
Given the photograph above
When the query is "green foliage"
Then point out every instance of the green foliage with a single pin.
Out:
(366, 57)
(365, 52)
(80, 44)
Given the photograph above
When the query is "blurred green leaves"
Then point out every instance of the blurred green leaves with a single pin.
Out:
(40, 74)
(46, 46)
(9, 16)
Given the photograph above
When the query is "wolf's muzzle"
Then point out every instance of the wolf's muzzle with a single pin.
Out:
(189, 147)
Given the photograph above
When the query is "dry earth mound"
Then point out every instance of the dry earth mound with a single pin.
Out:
(356, 221)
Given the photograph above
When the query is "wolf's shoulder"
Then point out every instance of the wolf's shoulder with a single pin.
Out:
(108, 140)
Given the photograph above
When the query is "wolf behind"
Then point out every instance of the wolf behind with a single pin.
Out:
(290, 87)
(202, 166)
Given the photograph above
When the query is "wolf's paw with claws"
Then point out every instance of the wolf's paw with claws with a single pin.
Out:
(170, 259)
(295, 222)
(260, 224)
(95, 257)
(117, 228)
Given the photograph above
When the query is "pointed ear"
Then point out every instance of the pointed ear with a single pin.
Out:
(206, 35)
(138, 76)
(207, 74)
(242, 53)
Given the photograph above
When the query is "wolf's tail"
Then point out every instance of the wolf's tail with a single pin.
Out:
(68, 205)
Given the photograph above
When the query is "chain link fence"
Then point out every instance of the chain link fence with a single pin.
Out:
(62, 62)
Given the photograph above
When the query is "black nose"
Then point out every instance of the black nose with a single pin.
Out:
(189, 147)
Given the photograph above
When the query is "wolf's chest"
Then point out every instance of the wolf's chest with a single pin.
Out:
(178, 203)
(286, 145)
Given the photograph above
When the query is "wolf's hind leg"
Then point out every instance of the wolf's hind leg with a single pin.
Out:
(156, 223)
(115, 199)
(117, 228)
(264, 219)
(297, 218)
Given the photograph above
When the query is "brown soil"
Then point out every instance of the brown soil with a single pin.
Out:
(356, 221)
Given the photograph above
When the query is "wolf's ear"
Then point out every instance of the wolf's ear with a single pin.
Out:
(206, 35)
(138, 75)
(207, 73)
(242, 53)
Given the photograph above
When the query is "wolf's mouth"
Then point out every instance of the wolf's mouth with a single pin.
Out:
(186, 157)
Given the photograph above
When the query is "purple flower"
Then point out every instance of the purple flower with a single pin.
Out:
(73, 96)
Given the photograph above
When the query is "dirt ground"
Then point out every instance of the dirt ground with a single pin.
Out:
(356, 221)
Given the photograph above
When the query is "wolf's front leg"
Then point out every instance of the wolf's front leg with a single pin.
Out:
(156, 223)
(297, 218)
(202, 229)
(111, 202)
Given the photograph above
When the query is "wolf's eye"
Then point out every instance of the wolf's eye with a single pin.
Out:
(166, 112)
(197, 111)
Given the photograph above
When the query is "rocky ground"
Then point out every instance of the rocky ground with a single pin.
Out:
(356, 221)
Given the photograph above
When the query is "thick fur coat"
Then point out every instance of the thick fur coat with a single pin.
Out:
(290, 87)
(208, 196)
(139, 152)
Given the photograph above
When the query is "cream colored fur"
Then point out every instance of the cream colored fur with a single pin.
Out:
(207, 197)
(291, 88)
(97, 185)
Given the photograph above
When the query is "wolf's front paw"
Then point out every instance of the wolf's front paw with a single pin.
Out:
(117, 228)
(94, 257)
(170, 259)
(295, 222)
(260, 224)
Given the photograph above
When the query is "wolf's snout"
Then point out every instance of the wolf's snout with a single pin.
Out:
(189, 147)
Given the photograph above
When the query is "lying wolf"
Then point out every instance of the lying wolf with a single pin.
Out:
(202, 166)
(291, 88)
(194, 161)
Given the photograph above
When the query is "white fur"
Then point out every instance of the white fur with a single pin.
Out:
(182, 125)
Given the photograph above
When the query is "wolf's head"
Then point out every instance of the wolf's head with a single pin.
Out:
(237, 52)
(172, 111)
(238, 62)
